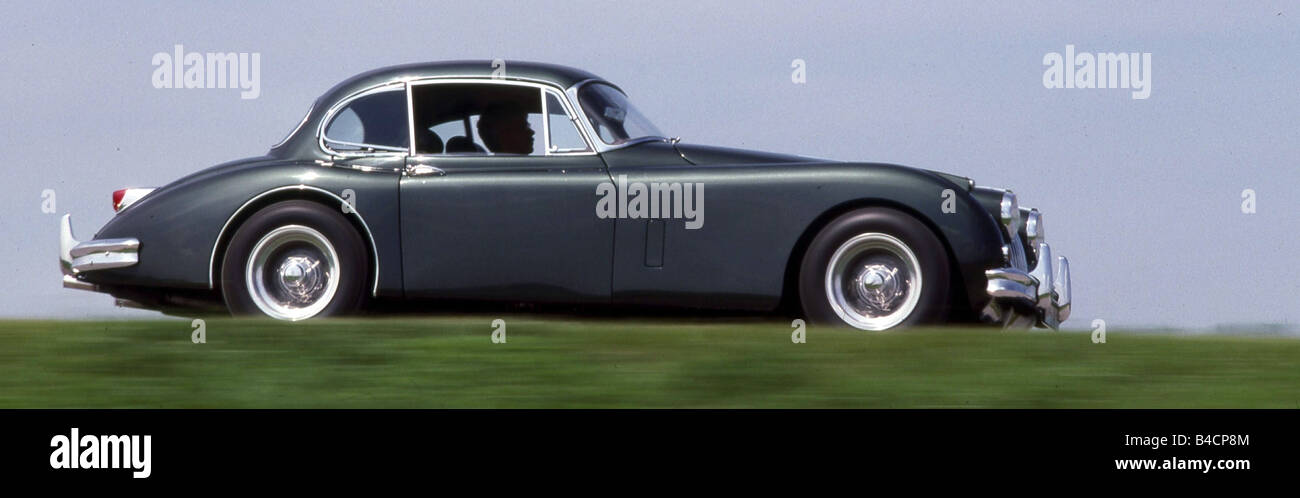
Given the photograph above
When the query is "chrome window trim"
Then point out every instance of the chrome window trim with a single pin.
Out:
(334, 109)
(378, 148)
(410, 121)
(568, 97)
(542, 85)
(546, 124)
(212, 259)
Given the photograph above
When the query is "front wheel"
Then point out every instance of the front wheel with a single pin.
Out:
(294, 260)
(874, 269)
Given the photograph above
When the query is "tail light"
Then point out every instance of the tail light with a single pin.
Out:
(127, 196)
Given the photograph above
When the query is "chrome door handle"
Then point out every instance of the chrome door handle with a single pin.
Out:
(424, 170)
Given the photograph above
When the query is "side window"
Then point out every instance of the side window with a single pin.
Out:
(377, 121)
(564, 131)
(477, 118)
(490, 118)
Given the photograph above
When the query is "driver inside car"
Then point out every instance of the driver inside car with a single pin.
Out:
(504, 129)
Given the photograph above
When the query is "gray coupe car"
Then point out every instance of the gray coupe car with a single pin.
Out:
(467, 181)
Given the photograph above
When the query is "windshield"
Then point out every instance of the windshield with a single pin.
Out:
(613, 117)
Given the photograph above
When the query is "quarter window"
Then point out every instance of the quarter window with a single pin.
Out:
(564, 131)
(377, 121)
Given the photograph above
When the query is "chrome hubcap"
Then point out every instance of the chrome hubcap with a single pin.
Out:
(873, 281)
(878, 288)
(292, 273)
(300, 278)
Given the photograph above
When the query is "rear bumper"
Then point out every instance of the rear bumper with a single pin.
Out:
(1038, 297)
(76, 258)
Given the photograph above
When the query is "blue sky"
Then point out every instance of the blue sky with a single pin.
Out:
(1143, 195)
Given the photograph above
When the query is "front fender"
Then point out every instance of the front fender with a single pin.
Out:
(759, 216)
(972, 235)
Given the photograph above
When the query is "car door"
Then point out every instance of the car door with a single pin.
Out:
(500, 226)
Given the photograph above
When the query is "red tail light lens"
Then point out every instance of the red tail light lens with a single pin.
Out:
(124, 198)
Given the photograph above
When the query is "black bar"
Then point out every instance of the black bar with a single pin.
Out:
(397, 445)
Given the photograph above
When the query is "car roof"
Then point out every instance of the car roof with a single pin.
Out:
(302, 141)
(555, 74)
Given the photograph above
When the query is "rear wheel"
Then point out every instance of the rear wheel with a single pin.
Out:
(874, 269)
(294, 260)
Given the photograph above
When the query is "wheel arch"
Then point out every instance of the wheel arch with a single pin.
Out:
(309, 193)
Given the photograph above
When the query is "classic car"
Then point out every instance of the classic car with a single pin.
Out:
(475, 181)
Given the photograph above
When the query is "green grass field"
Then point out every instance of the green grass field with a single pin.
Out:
(551, 362)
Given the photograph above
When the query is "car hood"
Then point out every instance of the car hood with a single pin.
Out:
(708, 155)
(711, 155)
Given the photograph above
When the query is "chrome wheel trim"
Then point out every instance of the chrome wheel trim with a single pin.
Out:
(873, 281)
(292, 273)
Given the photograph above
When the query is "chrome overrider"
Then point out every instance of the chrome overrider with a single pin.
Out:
(1023, 297)
(76, 257)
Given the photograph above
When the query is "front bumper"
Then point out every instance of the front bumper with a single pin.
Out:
(1038, 297)
(76, 258)
(1019, 296)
